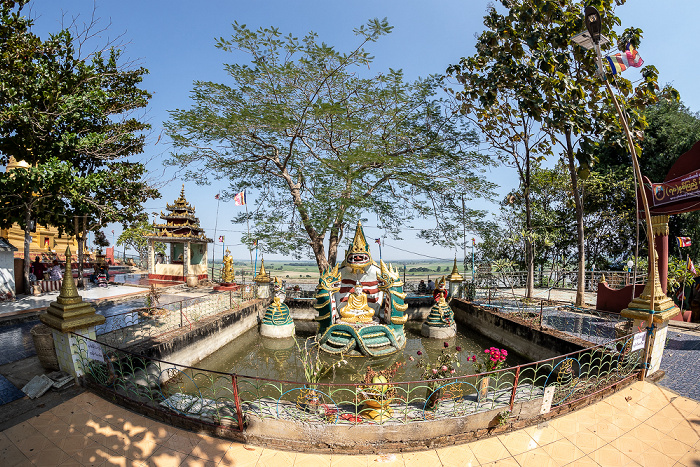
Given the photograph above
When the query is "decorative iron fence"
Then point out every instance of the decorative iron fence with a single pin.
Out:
(125, 329)
(588, 324)
(225, 399)
(556, 279)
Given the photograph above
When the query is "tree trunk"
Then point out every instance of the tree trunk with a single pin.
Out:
(27, 259)
(529, 247)
(580, 289)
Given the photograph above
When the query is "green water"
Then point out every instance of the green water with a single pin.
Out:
(253, 355)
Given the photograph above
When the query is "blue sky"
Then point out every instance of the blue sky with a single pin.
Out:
(175, 41)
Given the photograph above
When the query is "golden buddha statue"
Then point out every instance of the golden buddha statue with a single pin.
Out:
(357, 309)
(227, 275)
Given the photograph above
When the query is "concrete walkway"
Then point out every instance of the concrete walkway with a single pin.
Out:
(643, 424)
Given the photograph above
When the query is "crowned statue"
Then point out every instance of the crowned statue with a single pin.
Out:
(440, 322)
(360, 304)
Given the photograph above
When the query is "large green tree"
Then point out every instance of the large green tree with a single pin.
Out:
(526, 50)
(672, 130)
(323, 145)
(59, 106)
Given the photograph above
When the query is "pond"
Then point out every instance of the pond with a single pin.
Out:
(253, 355)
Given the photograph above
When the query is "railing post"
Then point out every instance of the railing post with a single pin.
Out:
(180, 313)
(541, 302)
(489, 295)
(515, 387)
(237, 401)
(230, 299)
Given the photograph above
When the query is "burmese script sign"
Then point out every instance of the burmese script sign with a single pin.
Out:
(679, 189)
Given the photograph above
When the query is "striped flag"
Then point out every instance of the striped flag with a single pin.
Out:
(691, 267)
(239, 199)
(378, 241)
(680, 294)
(620, 62)
(218, 195)
(683, 241)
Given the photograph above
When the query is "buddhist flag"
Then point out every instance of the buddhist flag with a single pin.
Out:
(239, 199)
(221, 239)
(620, 62)
(378, 240)
(680, 294)
(691, 267)
(217, 196)
(683, 241)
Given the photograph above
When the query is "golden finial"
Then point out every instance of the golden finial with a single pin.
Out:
(455, 276)
(68, 288)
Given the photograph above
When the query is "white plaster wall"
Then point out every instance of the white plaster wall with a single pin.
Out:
(7, 272)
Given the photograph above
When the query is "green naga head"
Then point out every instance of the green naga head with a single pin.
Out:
(329, 280)
(388, 276)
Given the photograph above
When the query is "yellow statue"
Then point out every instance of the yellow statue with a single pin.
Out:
(227, 275)
(357, 309)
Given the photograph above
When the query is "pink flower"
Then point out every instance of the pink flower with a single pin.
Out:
(473, 358)
(486, 351)
(458, 348)
(419, 352)
(444, 368)
(434, 371)
(504, 352)
(452, 371)
(410, 357)
(446, 344)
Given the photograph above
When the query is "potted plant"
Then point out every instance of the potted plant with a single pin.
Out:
(377, 391)
(314, 369)
(435, 373)
(492, 359)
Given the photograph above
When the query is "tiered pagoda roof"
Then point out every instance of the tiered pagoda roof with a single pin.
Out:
(180, 223)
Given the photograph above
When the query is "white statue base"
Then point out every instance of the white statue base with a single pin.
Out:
(438, 332)
(277, 332)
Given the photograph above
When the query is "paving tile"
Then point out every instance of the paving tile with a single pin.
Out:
(692, 459)
(273, 458)
(212, 449)
(537, 457)
(686, 433)
(518, 442)
(419, 459)
(544, 435)
(165, 457)
(652, 457)
(586, 441)
(340, 460)
(489, 450)
(312, 460)
(457, 456)
(191, 461)
(16, 342)
(608, 455)
(563, 451)
(241, 455)
(11, 456)
(606, 431)
(507, 462)
(672, 448)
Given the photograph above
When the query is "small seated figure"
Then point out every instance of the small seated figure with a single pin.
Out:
(357, 309)
(422, 288)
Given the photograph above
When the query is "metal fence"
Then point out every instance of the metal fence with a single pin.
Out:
(125, 329)
(226, 399)
(588, 324)
(556, 279)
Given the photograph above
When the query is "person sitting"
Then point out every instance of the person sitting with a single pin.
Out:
(357, 309)
(55, 273)
(38, 269)
(431, 286)
(422, 288)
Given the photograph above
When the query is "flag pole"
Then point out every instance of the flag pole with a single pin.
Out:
(216, 224)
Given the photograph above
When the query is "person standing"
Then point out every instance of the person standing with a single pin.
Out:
(55, 273)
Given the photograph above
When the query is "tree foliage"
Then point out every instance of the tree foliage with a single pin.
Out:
(527, 64)
(134, 236)
(71, 117)
(323, 146)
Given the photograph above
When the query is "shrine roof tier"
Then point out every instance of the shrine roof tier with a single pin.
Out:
(180, 204)
(185, 226)
(175, 238)
(178, 216)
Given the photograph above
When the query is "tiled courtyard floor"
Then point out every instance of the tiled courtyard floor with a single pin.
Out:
(642, 425)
